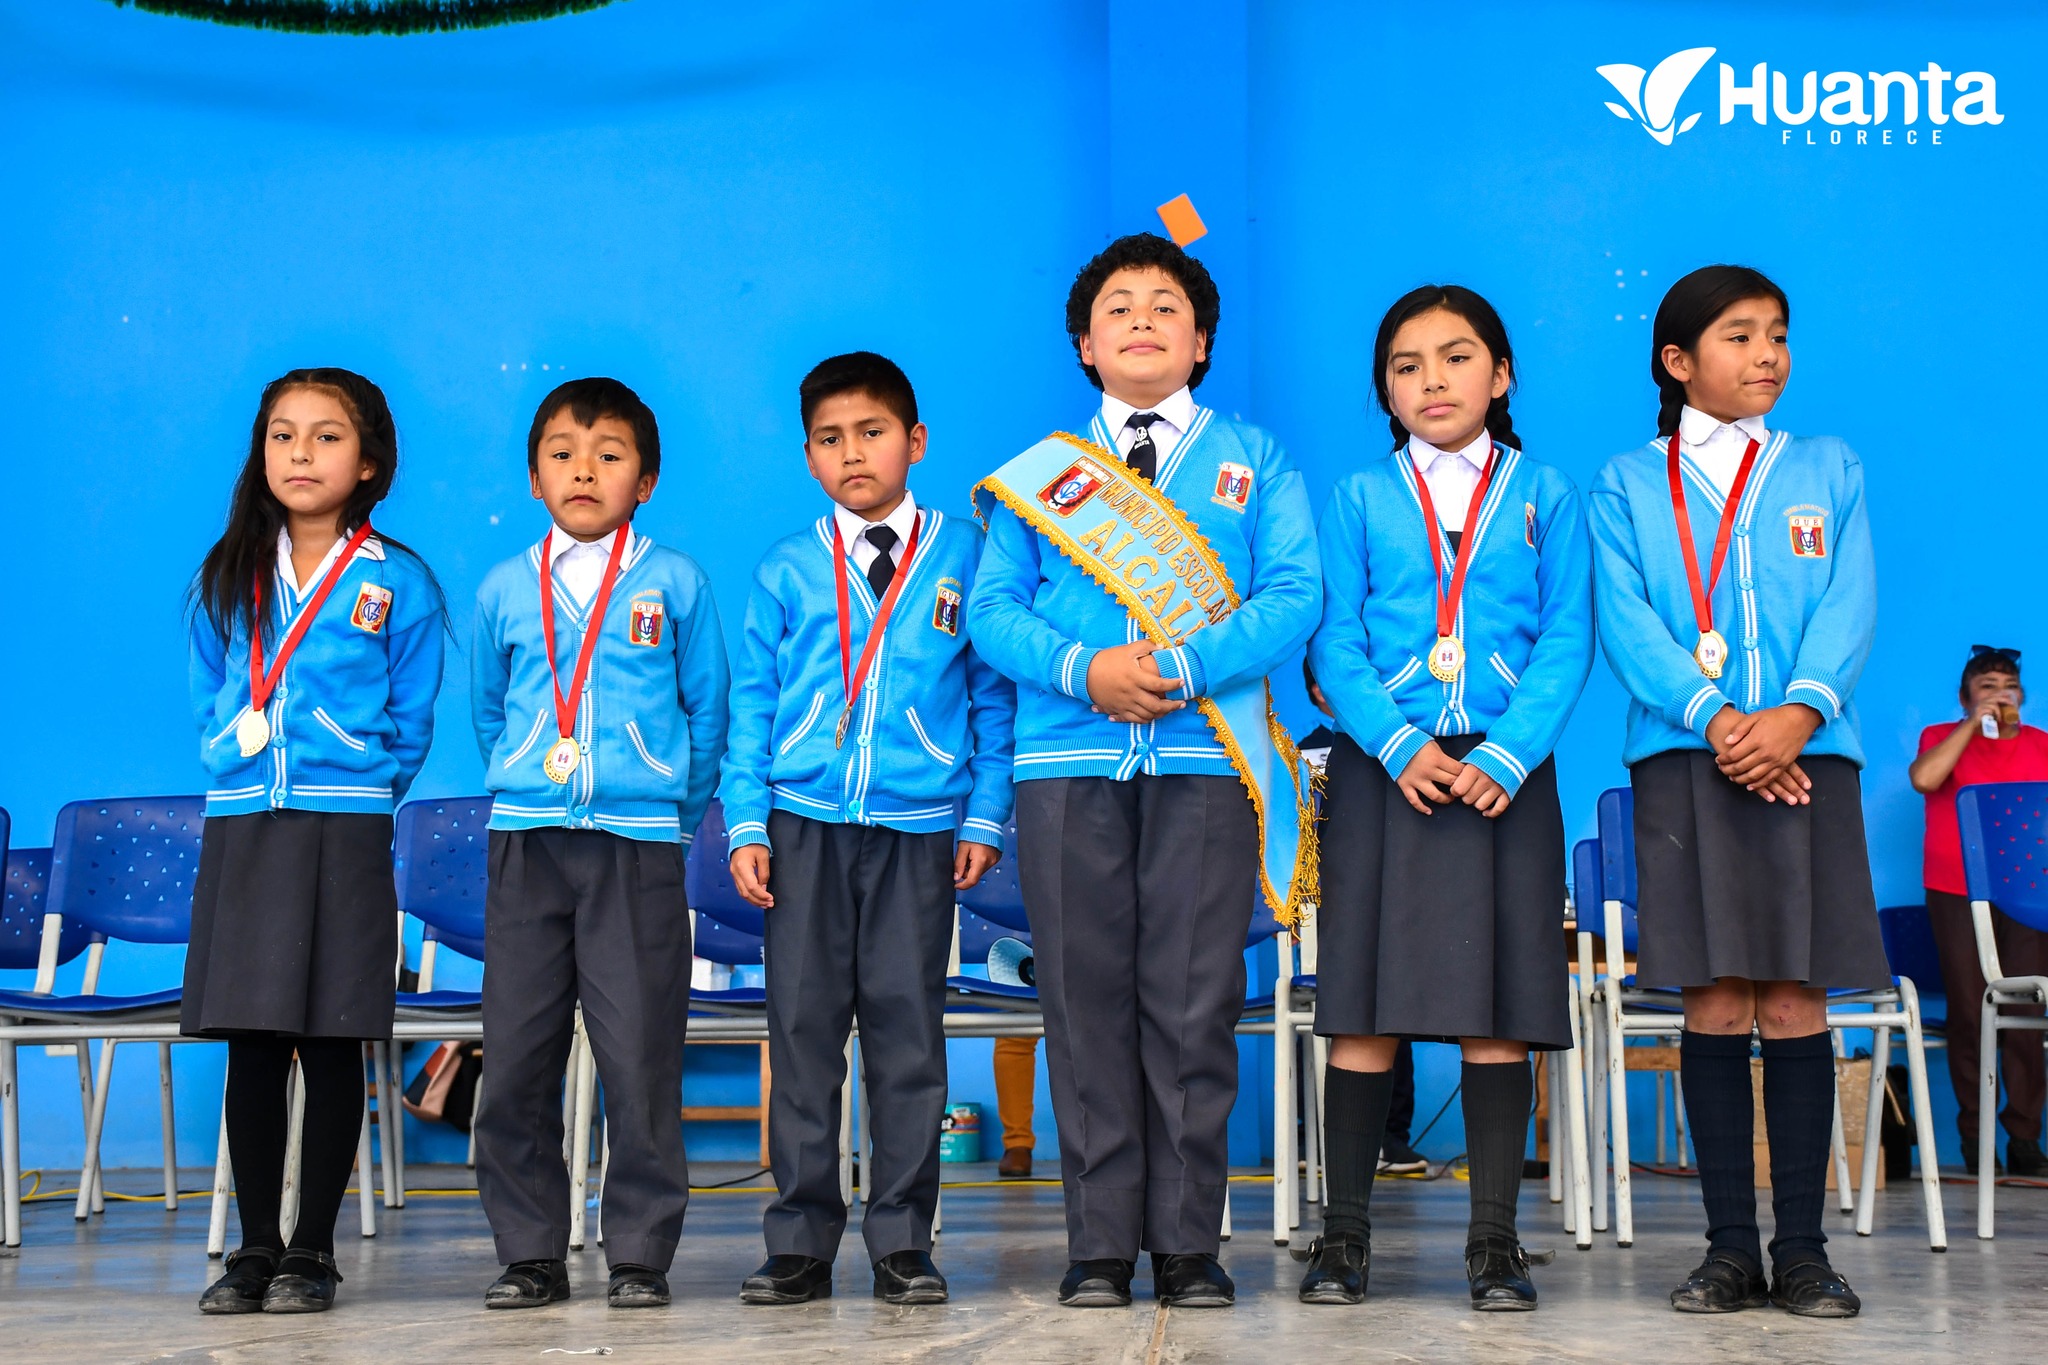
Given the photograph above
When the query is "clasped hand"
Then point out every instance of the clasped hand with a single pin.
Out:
(1124, 684)
(1760, 751)
(1434, 775)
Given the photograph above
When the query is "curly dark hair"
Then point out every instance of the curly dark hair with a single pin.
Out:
(1141, 251)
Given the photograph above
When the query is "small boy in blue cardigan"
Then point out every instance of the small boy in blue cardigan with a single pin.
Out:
(870, 768)
(599, 681)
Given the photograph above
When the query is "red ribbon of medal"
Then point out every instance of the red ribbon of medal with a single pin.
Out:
(253, 731)
(1711, 653)
(855, 677)
(1447, 658)
(562, 759)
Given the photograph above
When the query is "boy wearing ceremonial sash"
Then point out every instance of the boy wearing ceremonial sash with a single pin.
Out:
(1139, 583)
(598, 679)
(870, 769)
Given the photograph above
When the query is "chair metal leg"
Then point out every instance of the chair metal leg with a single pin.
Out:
(1575, 1109)
(846, 1129)
(1838, 1147)
(170, 1122)
(1554, 1136)
(366, 1195)
(604, 1170)
(1319, 1162)
(1923, 1120)
(294, 1152)
(217, 1219)
(396, 1086)
(82, 1050)
(1226, 1211)
(1873, 1119)
(1617, 1098)
(1663, 1118)
(10, 1145)
(939, 1215)
(1684, 1129)
(89, 1183)
(476, 1109)
(1284, 1167)
(389, 1120)
(1596, 1105)
(1987, 1116)
(865, 1147)
(583, 1066)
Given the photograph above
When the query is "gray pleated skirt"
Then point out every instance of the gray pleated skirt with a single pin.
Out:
(294, 927)
(1440, 926)
(1732, 885)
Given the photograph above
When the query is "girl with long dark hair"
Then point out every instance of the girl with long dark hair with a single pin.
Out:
(1736, 588)
(316, 656)
(1457, 633)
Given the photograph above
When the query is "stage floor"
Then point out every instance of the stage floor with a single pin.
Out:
(123, 1287)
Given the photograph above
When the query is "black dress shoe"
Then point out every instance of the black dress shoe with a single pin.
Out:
(304, 1283)
(1498, 1271)
(1724, 1283)
(529, 1284)
(240, 1290)
(1187, 1280)
(1337, 1271)
(788, 1279)
(909, 1277)
(2023, 1159)
(1100, 1283)
(637, 1286)
(1812, 1289)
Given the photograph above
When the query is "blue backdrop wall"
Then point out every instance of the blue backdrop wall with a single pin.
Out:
(704, 202)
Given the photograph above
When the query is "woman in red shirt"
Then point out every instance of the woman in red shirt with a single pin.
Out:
(1953, 757)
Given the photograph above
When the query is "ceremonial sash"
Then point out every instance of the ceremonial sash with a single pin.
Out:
(1143, 551)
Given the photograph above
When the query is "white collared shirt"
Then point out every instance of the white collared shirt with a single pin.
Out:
(1451, 475)
(300, 587)
(1176, 414)
(853, 528)
(582, 562)
(1717, 447)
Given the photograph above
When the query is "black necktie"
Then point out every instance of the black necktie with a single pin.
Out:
(882, 568)
(1144, 456)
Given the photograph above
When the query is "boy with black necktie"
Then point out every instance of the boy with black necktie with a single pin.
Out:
(1139, 586)
(867, 782)
(598, 679)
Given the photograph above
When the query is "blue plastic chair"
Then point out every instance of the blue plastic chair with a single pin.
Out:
(123, 868)
(22, 915)
(2005, 864)
(1910, 949)
(440, 857)
(707, 877)
(716, 941)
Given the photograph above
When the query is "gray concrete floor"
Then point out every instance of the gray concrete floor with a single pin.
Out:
(123, 1287)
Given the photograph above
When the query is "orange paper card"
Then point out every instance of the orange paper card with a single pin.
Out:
(1183, 224)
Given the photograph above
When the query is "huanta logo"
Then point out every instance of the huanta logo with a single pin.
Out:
(1857, 101)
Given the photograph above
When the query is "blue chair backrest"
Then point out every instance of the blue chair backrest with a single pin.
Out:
(707, 878)
(1909, 946)
(999, 896)
(2005, 847)
(718, 942)
(1586, 883)
(125, 866)
(978, 934)
(1617, 817)
(441, 859)
(21, 913)
(1264, 926)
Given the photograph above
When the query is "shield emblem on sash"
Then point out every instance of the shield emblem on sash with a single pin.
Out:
(1080, 482)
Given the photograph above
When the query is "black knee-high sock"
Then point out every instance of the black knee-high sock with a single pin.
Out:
(257, 1118)
(1353, 1129)
(335, 1085)
(1799, 1114)
(1719, 1105)
(1495, 1097)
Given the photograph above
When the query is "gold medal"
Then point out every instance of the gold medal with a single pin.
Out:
(839, 735)
(1711, 653)
(561, 760)
(1447, 658)
(252, 733)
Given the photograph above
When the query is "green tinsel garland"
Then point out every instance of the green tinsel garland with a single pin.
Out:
(365, 16)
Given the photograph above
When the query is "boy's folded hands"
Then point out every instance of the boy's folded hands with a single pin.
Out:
(1124, 684)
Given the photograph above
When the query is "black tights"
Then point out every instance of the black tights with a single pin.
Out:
(259, 1120)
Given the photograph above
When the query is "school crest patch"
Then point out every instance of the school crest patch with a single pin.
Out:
(372, 609)
(1233, 486)
(1529, 523)
(946, 607)
(1808, 528)
(643, 626)
(1065, 494)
